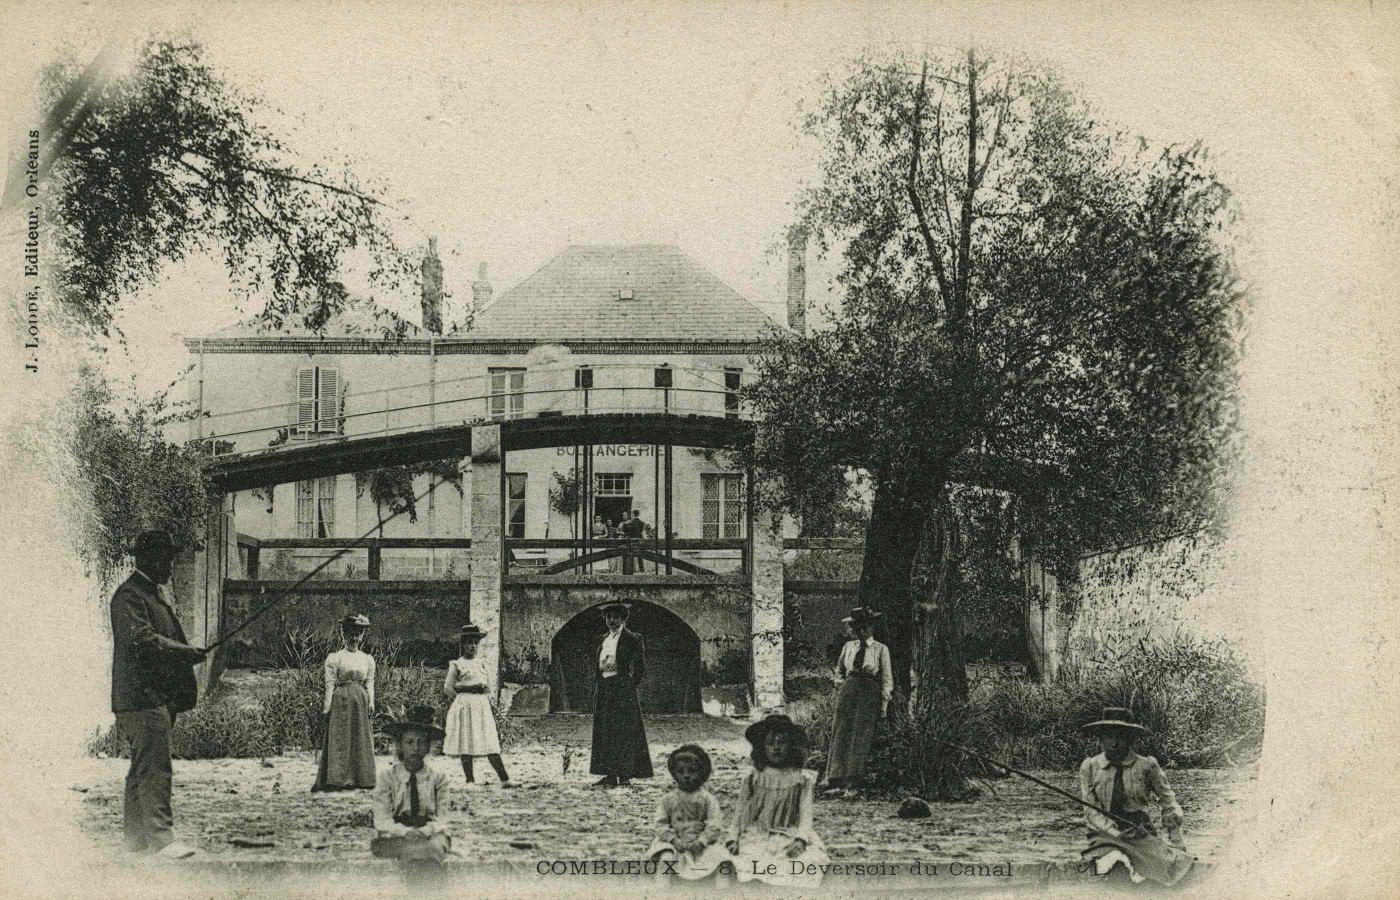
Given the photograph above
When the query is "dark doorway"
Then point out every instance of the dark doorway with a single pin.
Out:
(672, 683)
(612, 509)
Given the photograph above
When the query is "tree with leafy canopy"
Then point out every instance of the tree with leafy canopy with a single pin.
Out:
(163, 159)
(134, 478)
(1023, 286)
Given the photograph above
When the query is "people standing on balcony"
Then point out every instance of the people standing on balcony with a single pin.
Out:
(620, 752)
(152, 682)
(601, 531)
(347, 749)
(867, 683)
(471, 726)
(632, 531)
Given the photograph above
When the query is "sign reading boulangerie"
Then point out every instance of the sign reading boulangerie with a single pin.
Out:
(603, 451)
(450, 460)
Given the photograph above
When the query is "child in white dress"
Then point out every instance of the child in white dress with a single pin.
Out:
(773, 821)
(688, 819)
(471, 726)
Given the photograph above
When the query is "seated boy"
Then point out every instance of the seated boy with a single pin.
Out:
(1123, 783)
(409, 797)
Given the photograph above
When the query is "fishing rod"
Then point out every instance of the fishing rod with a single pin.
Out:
(287, 592)
(1015, 771)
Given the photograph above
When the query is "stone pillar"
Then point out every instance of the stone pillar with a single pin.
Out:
(197, 583)
(1040, 611)
(488, 542)
(766, 615)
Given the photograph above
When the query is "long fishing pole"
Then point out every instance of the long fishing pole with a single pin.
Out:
(287, 592)
(1015, 771)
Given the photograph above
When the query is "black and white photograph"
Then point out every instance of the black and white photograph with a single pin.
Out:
(793, 449)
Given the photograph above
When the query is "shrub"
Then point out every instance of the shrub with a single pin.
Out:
(911, 753)
(815, 715)
(287, 715)
(1194, 694)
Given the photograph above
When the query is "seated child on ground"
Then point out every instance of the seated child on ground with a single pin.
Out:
(1123, 783)
(688, 818)
(409, 798)
(773, 822)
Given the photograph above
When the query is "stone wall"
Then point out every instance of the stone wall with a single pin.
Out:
(423, 615)
(1185, 583)
(535, 609)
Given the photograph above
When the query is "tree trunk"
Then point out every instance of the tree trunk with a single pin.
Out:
(939, 665)
(891, 544)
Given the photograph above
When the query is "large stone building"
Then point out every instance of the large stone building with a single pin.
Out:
(597, 329)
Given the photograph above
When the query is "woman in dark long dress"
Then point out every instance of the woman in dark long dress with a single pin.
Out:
(620, 752)
(347, 751)
(867, 684)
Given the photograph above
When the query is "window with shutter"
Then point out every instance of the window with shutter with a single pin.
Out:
(306, 399)
(328, 399)
(318, 400)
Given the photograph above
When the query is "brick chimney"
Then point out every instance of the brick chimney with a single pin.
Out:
(797, 279)
(481, 288)
(432, 289)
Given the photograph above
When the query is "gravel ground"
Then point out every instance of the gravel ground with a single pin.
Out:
(250, 814)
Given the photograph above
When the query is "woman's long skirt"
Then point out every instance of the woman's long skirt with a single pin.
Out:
(853, 727)
(1148, 858)
(619, 736)
(347, 753)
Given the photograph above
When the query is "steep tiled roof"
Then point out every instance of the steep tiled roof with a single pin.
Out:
(576, 296)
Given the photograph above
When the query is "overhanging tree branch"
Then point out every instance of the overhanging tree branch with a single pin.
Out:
(934, 253)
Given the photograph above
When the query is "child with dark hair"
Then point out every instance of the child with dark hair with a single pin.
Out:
(409, 797)
(688, 818)
(773, 822)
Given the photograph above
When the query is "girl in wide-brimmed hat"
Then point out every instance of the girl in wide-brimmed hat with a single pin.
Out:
(773, 821)
(867, 683)
(409, 797)
(471, 726)
(347, 750)
(1124, 784)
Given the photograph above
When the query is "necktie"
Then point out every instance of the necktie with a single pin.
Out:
(859, 664)
(413, 795)
(1119, 804)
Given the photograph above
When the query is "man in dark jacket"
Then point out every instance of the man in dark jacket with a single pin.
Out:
(620, 752)
(632, 530)
(152, 682)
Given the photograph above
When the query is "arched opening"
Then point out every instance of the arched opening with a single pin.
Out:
(672, 683)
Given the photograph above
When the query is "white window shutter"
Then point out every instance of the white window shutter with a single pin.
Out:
(329, 396)
(306, 399)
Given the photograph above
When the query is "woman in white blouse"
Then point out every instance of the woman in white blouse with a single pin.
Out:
(347, 751)
(867, 682)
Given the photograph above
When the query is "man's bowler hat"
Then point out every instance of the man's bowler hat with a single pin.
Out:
(153, 542)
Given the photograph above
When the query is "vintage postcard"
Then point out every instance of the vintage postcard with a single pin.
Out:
(802, 449)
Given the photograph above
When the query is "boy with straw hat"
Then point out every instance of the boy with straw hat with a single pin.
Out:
(410, 798)
(1124, 783)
